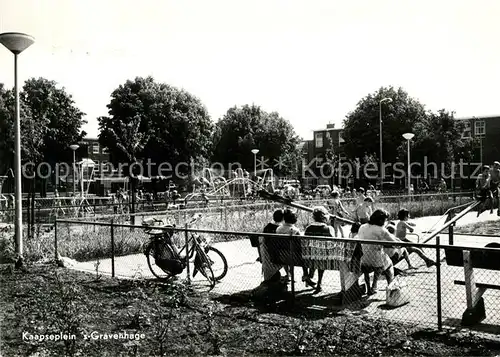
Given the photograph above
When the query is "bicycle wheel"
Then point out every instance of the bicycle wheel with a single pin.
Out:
(204, 266)
(151, 253)
(218, 262)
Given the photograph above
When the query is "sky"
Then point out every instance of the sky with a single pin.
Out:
(311, 61)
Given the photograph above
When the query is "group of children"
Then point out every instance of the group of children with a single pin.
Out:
(377, 258)
(382, 259)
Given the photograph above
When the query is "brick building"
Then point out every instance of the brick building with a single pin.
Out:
(314, 152)
(487, 130)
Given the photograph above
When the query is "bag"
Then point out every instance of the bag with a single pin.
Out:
(171, 266)
(166, 259)
(397, 293)
(254, 241)
(271, 291)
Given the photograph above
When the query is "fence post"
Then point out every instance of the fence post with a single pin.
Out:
(55, 240)
(186, 235)
(112, 248)
(450, 234)
(438, 282)
(292, 268)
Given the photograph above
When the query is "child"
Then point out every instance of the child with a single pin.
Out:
(364, 210)
(337, 209)
(483, 190)
(401, 228)
(397, 252)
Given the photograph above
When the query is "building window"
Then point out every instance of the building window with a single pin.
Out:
(105, 150)
(467, 130)
(480, 128)
(318, 140)
(319, 160)
(341, 139)
(105, 166)
(95, 148)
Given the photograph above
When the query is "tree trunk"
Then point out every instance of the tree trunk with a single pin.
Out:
(32, 219)
(132, 206)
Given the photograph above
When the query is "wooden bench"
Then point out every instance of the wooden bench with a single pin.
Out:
(296, 251)
(469, 260)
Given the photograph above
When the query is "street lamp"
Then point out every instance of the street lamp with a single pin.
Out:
(255, 152)
(408, 137)
(388, 100)
(16, 43)
(74, 147)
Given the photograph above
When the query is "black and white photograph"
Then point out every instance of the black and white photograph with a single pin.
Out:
(249, 178)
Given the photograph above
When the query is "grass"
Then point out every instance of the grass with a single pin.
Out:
(175, 320)
(483, 228)
(89, 242)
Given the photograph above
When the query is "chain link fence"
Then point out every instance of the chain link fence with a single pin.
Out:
(436, 290)
(47, 210)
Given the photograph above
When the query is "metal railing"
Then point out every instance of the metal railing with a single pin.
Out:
(434, 299)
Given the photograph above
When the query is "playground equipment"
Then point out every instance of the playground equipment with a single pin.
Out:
(238, 185)
(79, 202)
(4, 203)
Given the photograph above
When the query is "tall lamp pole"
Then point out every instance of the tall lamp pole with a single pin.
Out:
(16, 43)
(74, 147)
(381, 169)
(255, 152)
(408, 137)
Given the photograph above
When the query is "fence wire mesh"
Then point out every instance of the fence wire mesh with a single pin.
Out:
(47, 210)
(269, 268)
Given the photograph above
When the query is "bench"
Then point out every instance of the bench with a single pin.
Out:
(469, 260)
(296, 251)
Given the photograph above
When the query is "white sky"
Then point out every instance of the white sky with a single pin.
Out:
(311, 61)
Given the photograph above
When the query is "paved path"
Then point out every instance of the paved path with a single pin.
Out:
(245, 274)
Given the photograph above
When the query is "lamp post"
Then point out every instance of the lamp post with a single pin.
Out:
(16, 43)
(255, 152)
(74, 147)
(408, 137)
(381, 169)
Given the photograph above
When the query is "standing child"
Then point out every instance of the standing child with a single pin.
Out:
(401, 228)
(364, 210)
(338, 210)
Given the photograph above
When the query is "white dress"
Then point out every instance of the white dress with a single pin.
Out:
(374, 254)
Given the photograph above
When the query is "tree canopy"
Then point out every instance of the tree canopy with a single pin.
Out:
(55, 110)
(249, 127)
(49, 121)
(436, 134)
(361, 126)
(169, 124)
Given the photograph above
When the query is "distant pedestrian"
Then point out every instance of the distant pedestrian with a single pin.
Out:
(495, 185)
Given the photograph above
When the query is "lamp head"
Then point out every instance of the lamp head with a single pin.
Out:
(255, 151)
(388, 100)
(74, 147)
(408, 136)
(16, 42)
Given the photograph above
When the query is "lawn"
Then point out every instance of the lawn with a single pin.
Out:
(486, 228)
(173, 320)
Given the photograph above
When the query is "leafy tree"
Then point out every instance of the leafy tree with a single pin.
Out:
(32, 132)
(248, 127)
(151, 120)
(361, 127)
(55, 111)
(438, 138)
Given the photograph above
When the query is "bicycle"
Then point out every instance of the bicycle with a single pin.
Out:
(165, 260)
